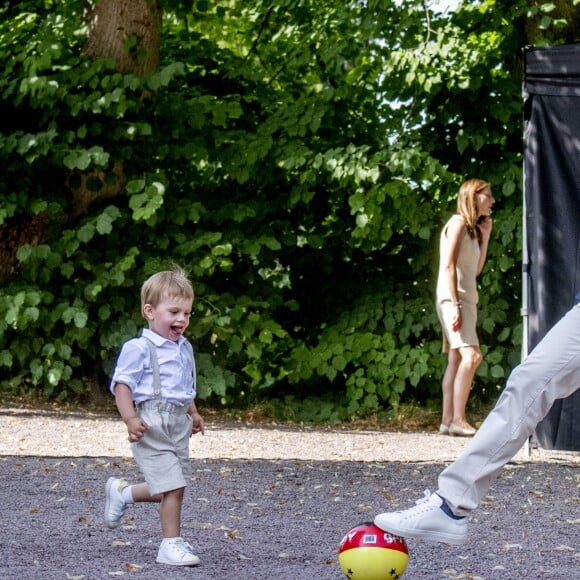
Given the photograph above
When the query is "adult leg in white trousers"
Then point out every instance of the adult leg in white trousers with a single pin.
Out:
(550, 372)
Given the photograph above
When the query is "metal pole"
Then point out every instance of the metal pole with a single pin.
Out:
(525, 257)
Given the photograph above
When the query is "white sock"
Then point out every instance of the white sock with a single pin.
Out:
(127, 495)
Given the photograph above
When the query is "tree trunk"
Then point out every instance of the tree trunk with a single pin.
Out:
(128, 31)
(15, 232)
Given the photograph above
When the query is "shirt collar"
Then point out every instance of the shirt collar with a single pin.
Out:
(159, 340)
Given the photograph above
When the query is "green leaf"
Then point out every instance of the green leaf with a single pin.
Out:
(80, 319)
(86, 232)
(5, 358)
(77, 160)
(106, 220)
(135, 186)
(145, 205)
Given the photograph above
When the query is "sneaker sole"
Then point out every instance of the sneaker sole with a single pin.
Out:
(161, 561)
(428, 536)
(110, 523)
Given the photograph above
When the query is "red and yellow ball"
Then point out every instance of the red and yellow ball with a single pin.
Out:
(368, 553)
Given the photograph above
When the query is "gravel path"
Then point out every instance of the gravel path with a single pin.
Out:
(58, 434)
(268, 502)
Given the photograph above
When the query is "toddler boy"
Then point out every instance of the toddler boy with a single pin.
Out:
(154, 388)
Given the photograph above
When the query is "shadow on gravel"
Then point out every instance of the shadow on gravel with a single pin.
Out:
(283, 520)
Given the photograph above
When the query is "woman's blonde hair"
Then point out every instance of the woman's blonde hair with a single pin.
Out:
(169, 283)
(467, 204)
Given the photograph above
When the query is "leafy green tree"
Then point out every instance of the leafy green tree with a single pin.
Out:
(299, 157)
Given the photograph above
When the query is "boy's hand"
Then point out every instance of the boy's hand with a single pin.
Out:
(198, 425)
(136, 428)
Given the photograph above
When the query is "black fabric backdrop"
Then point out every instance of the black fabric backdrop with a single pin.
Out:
(552, 211)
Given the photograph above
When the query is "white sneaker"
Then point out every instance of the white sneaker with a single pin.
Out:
(426, 521)
(115, 505)
(177, 552)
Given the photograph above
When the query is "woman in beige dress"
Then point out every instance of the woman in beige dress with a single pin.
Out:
(462, 254)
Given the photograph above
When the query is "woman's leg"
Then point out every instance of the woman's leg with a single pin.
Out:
(453, 360)
(470, 359)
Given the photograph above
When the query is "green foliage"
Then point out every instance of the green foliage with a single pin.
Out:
(299, 158)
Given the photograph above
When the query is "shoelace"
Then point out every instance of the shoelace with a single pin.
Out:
(184, 548)
(426, 497)
(419, 504)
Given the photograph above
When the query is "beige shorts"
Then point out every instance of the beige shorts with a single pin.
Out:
(162, 454)
(467, 334)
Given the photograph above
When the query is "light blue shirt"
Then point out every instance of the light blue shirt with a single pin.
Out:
(176, 370)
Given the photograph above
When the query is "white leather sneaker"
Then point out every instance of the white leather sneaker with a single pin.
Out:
(426, 521)
(115, 505)
(176, 552)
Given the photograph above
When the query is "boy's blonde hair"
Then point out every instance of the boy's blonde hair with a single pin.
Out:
(168, 283)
